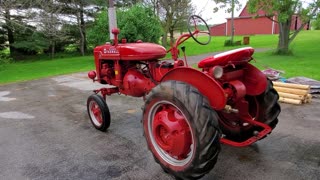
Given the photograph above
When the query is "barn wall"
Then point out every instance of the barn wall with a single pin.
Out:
(248, 26)
(218, 30)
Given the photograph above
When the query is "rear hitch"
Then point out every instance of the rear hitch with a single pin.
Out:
(229, 109)
(256, 135)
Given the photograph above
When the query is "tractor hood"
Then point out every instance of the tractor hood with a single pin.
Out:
(130, 51)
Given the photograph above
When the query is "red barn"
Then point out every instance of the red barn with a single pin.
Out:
(248, 24)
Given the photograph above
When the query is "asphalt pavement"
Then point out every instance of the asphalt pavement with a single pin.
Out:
(45, 133)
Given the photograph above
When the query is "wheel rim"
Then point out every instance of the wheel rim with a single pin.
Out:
(95, 113)
(170, 133)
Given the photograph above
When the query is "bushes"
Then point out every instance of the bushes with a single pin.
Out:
(4, 59)
(228, 42)
(136, 23)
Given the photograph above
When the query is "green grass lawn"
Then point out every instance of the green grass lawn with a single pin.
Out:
(304, 62)
(23, 71)
(217, 44)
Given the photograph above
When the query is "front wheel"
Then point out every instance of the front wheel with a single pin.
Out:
(98, 112)
(181, 130)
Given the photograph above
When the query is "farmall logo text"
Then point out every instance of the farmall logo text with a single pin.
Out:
(111, 50)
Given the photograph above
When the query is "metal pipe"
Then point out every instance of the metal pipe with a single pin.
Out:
(112, 19)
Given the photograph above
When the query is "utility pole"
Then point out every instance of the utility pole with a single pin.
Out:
(112, 18)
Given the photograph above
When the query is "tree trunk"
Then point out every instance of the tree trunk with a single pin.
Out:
(83, 31)
(9, 32)
(232, 21)
(53, 49)
(171, 32)
(284, 37)
(164, 39)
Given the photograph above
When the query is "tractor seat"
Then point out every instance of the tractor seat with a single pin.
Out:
(241, 54)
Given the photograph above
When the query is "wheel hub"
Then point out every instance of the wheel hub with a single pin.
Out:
(96, 112)
(171, 132)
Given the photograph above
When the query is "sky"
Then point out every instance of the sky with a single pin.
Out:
(206, 7)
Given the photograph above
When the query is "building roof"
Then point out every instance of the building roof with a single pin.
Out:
(245, 12)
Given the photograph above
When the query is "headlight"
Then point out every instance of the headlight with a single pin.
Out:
(217, 72)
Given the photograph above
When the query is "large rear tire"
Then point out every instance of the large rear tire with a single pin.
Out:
(264, 108)
(181, 130)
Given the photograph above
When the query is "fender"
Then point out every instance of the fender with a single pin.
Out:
(204, 83)
(254, 80)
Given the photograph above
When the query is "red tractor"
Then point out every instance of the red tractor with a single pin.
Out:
(188, 113)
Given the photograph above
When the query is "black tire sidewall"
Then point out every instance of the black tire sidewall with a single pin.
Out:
(266, 108)
(147, 133)
(105, 113)
(203, 123)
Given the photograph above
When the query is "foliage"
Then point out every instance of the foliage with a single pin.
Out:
(139, 23)
(4, 59)
(136, 23)
(229, 5)
(98, 32)
(284, 10)
(29, 41)
(3, 38)
(303, 62)
(173, 15)
(316, 23)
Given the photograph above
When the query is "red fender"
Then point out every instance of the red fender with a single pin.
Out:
(254, 80)
(204, 83)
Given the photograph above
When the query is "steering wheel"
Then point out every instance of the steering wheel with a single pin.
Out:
(197, 32)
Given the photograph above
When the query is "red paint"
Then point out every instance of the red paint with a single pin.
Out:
(254, 80)
(204, 83)
(96, 112)
(245, 117)
(245, 12)
(266, 130)
(130, 51)
(171, 132)
(136, 84)
(242, 54)
(218, 30)
(92, 74)
(134, 69)
(238, 88)
(251, 24)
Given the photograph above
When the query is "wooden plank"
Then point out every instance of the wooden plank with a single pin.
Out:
(290, 101)
(292, 96)
(291, 85)
(291, 91)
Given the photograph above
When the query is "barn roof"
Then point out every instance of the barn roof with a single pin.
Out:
(245, 12)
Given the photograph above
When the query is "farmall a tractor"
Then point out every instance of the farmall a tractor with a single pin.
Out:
(188, 112)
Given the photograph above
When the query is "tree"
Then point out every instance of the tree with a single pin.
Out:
(78, 10)
(230, 5)
(135, 23)
(172, 14)
(7, 20)
(50, 23)
(139, 23)
(284, 11)
(316, 23)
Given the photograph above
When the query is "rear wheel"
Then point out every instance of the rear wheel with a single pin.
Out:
(98, 112)
(263, 108)
(181, 130)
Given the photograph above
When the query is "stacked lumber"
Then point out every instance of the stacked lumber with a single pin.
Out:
(293, 93)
